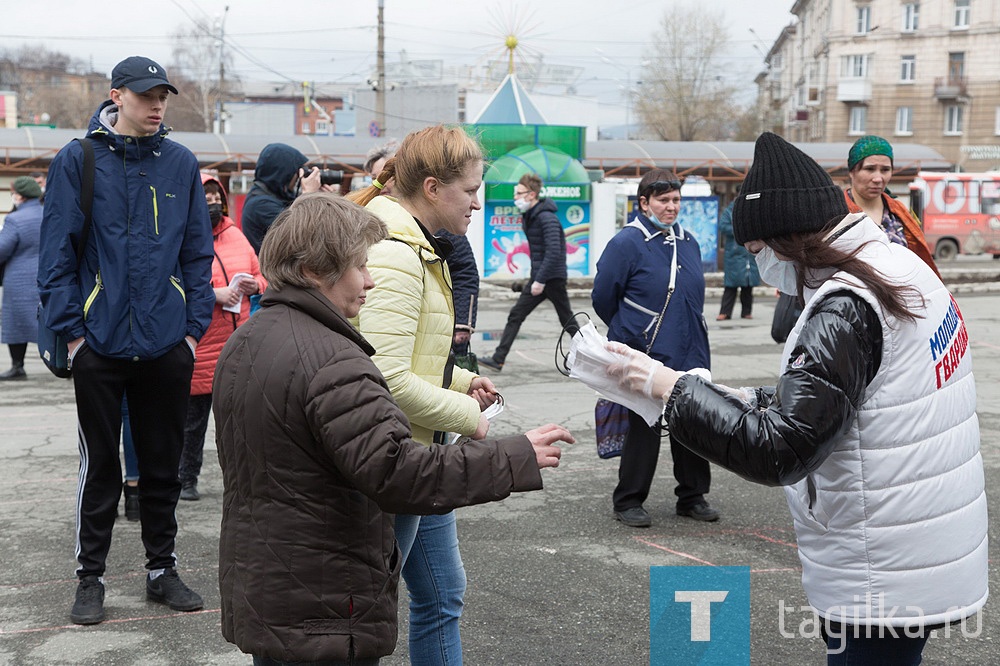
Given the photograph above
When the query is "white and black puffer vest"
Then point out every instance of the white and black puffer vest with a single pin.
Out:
(892, 527)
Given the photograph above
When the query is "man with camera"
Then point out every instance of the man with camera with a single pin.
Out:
(280, 176)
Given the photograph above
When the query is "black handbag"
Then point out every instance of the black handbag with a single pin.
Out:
(786, 313)
(52, 346)
(611, 423)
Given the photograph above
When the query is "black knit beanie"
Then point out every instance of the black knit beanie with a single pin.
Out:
(785, 192)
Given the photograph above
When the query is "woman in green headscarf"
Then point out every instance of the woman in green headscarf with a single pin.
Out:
(869, 168)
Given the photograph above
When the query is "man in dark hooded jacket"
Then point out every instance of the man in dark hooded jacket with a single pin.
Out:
(278, 178)
(547, 242)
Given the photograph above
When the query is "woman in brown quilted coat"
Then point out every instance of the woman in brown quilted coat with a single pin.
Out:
(316, 455)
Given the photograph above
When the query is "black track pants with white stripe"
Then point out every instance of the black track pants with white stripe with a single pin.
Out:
(157, 393)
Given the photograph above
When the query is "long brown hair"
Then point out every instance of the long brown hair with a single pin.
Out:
(438, 151)
(810, 250)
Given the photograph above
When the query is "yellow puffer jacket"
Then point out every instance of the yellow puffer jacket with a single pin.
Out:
(409, 319)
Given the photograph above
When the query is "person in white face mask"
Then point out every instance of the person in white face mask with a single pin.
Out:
(547, 245)
(871, 428)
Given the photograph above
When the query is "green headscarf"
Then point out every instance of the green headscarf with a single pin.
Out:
(867, 146)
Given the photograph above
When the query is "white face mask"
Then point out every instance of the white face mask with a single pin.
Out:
(656, 221)
(778, 273)
(522, 205)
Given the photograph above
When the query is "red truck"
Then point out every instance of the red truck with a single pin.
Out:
(960, 212)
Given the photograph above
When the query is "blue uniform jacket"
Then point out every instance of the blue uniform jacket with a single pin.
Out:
(630, 288)
(146, 277)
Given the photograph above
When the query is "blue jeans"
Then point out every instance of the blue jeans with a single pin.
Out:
(848, 645)
(128, 448)
(435, 579)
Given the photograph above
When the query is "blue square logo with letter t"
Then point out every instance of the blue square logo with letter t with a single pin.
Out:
(699, 616)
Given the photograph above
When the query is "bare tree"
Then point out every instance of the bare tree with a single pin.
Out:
(52, 88)
(748, 123)
(196, 66)
(684, 96)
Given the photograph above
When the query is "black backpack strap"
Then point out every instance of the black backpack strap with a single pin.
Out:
(86, 194)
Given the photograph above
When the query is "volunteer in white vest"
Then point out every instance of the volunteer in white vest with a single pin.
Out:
(872, 426)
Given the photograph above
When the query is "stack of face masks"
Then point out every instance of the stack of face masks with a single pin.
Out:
(588, 361)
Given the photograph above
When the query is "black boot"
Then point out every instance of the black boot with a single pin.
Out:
(16, 373)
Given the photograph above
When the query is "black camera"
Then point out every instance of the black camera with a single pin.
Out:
(328, 176)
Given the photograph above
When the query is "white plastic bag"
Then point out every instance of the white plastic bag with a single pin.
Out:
(588, 362)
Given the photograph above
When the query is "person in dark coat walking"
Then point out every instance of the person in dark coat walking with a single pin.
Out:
(547, 241)
(19, 267)
(740, 271)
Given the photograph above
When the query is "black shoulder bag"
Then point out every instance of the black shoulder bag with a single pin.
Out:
(52, 346)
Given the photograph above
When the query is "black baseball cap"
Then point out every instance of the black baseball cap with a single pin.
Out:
(139, 74)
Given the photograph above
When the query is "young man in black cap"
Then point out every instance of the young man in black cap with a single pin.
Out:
(133, 309)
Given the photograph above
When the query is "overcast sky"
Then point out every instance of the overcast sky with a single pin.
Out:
(334, 41)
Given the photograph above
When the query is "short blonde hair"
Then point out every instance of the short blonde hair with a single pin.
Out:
(321, 233)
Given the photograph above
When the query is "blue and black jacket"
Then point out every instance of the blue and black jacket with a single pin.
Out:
(145, 281)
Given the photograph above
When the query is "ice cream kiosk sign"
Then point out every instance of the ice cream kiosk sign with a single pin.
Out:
(507, 254)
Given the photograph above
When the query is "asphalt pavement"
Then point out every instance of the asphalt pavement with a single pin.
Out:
(553, 578)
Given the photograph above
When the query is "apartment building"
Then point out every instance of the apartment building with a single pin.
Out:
(923, 72)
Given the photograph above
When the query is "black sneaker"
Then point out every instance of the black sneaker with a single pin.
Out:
(89, 605)
(700, 511)
(189, 492)
(169, 589)
(490, 363)
(634, 517)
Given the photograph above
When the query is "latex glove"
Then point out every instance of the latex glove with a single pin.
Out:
(537, 288)
(639, 373)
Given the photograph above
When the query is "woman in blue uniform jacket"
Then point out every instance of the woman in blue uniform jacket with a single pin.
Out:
(651, 257)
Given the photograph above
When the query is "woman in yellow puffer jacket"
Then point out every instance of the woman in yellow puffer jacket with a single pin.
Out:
(409, 319)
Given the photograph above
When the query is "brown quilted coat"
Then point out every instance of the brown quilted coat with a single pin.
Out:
(314, 455)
